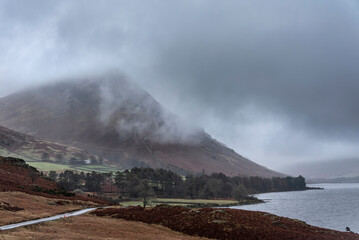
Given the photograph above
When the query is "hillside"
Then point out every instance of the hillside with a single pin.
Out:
(112, 117)
(16, 175)
(29, 148)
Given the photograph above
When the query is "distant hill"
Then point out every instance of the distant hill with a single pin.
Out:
(345, 168)
(112, 117)
(20, 145)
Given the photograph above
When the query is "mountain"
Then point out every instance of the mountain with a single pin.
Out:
(333, 169)
(20, 145)
(115, 118)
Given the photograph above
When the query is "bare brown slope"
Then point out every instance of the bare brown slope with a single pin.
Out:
(111, 117)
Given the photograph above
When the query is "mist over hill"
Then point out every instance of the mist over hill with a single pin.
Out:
(110, 116)
(330, 169)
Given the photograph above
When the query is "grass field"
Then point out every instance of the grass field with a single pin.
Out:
(182, 202)
(47, 166)
(96, 168)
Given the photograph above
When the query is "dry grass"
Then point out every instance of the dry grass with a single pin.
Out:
(34, 207)
(92, 227)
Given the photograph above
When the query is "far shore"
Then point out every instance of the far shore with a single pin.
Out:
(194, 203)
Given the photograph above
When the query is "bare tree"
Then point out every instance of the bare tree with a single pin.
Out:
(145, 192)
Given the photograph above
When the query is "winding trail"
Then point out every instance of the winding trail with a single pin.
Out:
(56, 217)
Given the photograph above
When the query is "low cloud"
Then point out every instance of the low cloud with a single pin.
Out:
(275, 80)
(132, 111)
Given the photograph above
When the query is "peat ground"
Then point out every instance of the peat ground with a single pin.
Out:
(226, 223)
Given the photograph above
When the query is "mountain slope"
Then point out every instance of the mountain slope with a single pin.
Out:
(30, 148)
(112, 117)
(16, 175)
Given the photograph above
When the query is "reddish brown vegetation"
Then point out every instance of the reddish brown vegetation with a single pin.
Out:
(66, 203)
(16, 175)
(226, 223)
(7, 207)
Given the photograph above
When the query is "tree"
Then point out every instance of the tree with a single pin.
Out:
(239, 192)
(145, 191)
(93, 160)
(120, 181)
(53, 175)
(299, 183)
(100, 160)
(94, 181)
(69, 180)
(33, 176)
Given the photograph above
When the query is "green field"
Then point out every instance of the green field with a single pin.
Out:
(46, 167)
(96, 168)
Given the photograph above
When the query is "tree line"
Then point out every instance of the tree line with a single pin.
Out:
(139, 182)
(165, 183)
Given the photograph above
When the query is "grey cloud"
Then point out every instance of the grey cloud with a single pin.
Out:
(303, 67)
(253, 73)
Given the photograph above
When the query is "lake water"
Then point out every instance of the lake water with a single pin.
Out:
(335, 207)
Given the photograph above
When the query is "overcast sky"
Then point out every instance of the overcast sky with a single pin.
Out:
(278, 81)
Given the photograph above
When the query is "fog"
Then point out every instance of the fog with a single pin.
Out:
(277, 81)
(141, 115)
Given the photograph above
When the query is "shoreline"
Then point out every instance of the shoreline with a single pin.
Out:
(196, 203)
(225, 223)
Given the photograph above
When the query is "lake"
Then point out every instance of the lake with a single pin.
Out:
(335, 207)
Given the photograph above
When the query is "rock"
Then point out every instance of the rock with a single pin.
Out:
(279, 224)
(220, 211)
(219, 221)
